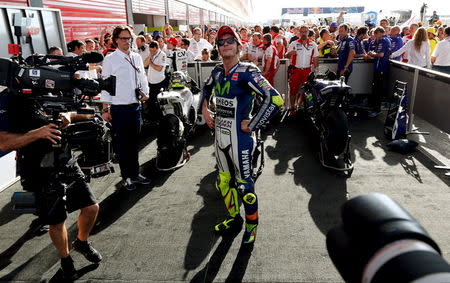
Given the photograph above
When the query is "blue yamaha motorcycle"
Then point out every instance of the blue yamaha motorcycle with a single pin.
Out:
(325, 99)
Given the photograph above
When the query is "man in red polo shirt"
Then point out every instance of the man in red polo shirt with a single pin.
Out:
(303, 54)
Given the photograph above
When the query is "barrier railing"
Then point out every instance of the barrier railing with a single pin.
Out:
(428, 94)
(428, 90)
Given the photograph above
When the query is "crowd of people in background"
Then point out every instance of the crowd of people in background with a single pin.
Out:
(416, 44)
(273, 42)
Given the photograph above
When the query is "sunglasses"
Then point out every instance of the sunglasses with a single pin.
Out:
(125, 38)
(229, 40)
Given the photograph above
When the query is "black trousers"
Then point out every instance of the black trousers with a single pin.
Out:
(379, 90)
(151, 107)
(346, 74)
(126, 123)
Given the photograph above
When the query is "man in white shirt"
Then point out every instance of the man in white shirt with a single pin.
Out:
(123, 109)
(177, 58)
(254, 50)
(197, 44)
(156, 63)
(185, 45)
(303, 54)
(142, 47)
(441, 54)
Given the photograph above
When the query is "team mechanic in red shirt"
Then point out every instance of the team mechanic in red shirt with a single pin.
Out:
(303, 54)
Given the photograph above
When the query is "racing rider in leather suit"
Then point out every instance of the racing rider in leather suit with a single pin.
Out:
(235, 85)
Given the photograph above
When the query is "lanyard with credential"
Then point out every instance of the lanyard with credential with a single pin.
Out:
(137, 70)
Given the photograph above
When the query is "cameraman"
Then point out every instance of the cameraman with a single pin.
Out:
(58, 189)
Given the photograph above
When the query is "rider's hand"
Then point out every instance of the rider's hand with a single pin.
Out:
(49, 132)
(244, 126)
(107, 116)
(208, 117)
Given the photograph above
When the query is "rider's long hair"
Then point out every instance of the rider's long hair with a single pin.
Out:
(419, 37)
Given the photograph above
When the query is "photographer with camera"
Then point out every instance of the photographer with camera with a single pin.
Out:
(25, 127)
(124, 109)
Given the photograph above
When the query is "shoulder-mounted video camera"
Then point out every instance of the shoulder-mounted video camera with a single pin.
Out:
(52, 77)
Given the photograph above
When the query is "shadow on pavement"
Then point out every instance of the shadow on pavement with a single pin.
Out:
(202, 238)
(80, 272)
(405, 160)
(202, 137)
(119, 202)
(286, 148)
(6, 214)
(34, 230)
(240, 264)
(327, 196)
(361, 129)
(209, 272)
(328, 189)
(41, 261)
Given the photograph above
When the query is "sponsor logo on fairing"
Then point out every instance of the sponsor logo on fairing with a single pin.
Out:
(246, 163)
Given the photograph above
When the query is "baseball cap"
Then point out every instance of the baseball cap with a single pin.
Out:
(155, 33)
(432, 30)
(333, 25)
(172, 41)
(228, 30)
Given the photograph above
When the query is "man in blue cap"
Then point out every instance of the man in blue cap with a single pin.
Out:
(334, 29)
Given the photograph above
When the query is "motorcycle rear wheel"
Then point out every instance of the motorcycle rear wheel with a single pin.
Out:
(336, 132)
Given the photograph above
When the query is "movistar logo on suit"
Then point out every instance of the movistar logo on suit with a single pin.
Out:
(223, 90)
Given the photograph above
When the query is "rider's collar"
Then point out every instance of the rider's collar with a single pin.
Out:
(232, 69)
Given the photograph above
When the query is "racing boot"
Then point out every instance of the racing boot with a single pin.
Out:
(249, 233)
(230, 225)
(229, 194)
(250, 202)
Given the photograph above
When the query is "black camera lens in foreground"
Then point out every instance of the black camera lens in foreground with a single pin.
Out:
(379, 241)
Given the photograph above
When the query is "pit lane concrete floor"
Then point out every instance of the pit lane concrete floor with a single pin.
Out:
(162, 232)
